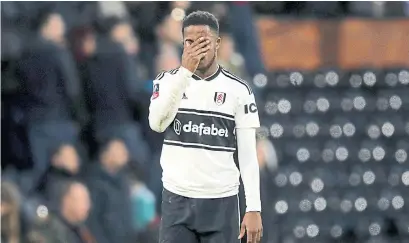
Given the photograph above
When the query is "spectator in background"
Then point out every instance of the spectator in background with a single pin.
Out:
(167, 59)
(169, 36)
(123, 34)
(51, 27)
(240, 18)
(50, 91)
(66, 225)
(110, 219)
(169, 30)
(227, 56)
(113, 88)
(65, 165)
(83, 43)
(144, 18)
(10, 213)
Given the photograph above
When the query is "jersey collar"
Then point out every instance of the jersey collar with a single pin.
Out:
(211, 77)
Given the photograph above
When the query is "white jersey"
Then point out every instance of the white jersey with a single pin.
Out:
(197, 155)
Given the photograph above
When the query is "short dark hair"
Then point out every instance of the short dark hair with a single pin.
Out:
(201, 18)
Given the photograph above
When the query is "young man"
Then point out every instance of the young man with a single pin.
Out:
(206, 112)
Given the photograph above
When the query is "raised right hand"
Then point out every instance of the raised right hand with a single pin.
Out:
(194, 52)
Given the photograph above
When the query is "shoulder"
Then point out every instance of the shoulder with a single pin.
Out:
(164, 74)
(241, 86)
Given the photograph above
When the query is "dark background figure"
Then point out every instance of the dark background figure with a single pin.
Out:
(66, 222)
(111, 215)
(49, 91)
(113, 88)
(82, 42)
(64, 166)
(243, 31)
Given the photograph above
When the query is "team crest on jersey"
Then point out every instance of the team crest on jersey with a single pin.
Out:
(219, 98)
(155, 93)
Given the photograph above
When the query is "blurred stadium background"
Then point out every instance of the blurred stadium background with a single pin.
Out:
(332, 86)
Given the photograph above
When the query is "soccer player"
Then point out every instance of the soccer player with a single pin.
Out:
(206, 113)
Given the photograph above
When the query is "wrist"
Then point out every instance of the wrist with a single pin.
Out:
(253, 210)
(185, 72)
(253, 213)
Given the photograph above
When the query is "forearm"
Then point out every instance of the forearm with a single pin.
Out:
(249, 169)
(163, 110)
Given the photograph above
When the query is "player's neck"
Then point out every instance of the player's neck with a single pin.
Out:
(208, 72)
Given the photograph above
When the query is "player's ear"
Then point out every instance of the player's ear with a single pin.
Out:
(218, 41)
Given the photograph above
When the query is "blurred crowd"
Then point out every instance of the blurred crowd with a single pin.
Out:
(79, 162)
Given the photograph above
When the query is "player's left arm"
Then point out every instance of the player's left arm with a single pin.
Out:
(247, 121)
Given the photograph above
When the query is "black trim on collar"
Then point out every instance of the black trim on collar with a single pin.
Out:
(211, 77)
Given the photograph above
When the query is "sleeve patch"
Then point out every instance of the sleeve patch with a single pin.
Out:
(155, 93)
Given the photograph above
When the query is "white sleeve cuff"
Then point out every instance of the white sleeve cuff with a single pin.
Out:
(185, 72)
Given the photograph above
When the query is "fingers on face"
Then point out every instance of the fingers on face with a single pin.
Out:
(201, 50)
(197, 42)
(202, 42)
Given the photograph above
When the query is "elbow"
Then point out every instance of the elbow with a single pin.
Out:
(156, 124)
(157, 128)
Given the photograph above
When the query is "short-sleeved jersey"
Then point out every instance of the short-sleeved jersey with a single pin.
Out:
(197, 155)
